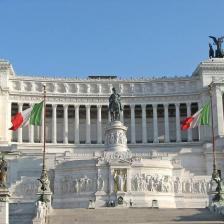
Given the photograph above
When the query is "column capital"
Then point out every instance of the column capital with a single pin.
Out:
(65, 106)
(99, 106)
(88, 106)
(155, 105)
(20, 104)
(166, 105)
(54, 106)
(143, 106)
(188, 104)
(132, 106)
(76, 106)
(177, 104)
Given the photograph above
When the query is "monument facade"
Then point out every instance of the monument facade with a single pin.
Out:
(134, 157)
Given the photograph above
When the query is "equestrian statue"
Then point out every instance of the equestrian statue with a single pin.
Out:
(115, 107)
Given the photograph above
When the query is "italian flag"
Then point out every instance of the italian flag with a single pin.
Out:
(201, 117)
(31, 115)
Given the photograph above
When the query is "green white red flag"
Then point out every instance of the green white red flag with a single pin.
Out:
(201, 117)
(32, 115)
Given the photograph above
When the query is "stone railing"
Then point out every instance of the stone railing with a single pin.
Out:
(104, 87)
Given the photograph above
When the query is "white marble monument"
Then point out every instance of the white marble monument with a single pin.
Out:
(155, 160)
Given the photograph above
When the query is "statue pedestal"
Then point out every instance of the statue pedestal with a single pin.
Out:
(4, 206)
(101, 198)
(115, 137)
(47, 196)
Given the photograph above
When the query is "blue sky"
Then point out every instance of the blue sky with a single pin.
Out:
(70, 38)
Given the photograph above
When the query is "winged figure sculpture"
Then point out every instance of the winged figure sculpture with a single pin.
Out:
(218, 42)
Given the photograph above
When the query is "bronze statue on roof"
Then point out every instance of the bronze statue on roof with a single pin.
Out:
(218, 42)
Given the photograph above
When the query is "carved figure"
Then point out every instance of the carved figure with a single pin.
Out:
(115, 107)
(76, 186)
(120, 182)
(66, 87)
(77, 88)
(3, 172)
(88, 88)
(41, 210)
(216, 176)
(100, 183)
(45, 183)
(218, 42)
(99, 88)
(211, 51)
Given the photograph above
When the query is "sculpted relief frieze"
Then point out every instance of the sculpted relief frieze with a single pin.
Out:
(166, 183)
(26, 188)
(116, 156)
(116, 137)
(72, 184)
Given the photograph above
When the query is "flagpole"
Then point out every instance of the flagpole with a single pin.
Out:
(44, 118)
(213, 135)
(45, 183)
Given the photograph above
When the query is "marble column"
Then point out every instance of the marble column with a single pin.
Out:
(189, 131)
(54, 123)
(200, 130)
(4, 206)
(31, 130)
(99, 125)
(178, 132)
(122, 116)
(166, 116)
(128, 180)
(76, 124)
(65, 139)
(111, 181)
(144, 124)
(155, 124)
(8, 121)
(20, 130)
(217, 108)
(109, 117)
(133, 140)
(88, 129)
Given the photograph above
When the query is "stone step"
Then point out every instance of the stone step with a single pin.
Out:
(132, 215)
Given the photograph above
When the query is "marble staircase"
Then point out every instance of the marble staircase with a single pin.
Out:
(132, 215)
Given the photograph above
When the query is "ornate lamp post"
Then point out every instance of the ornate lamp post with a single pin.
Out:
(45, 194)
(217, 189)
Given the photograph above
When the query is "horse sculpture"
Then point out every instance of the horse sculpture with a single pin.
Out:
(115, 106)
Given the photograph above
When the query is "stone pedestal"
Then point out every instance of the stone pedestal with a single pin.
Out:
(115, 137)
(4, 206)
(48, 196)
(101, 199)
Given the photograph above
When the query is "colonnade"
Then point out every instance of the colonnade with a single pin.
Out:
(132, 124)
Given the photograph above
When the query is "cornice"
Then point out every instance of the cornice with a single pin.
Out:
(104, 99)
(87, 80)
